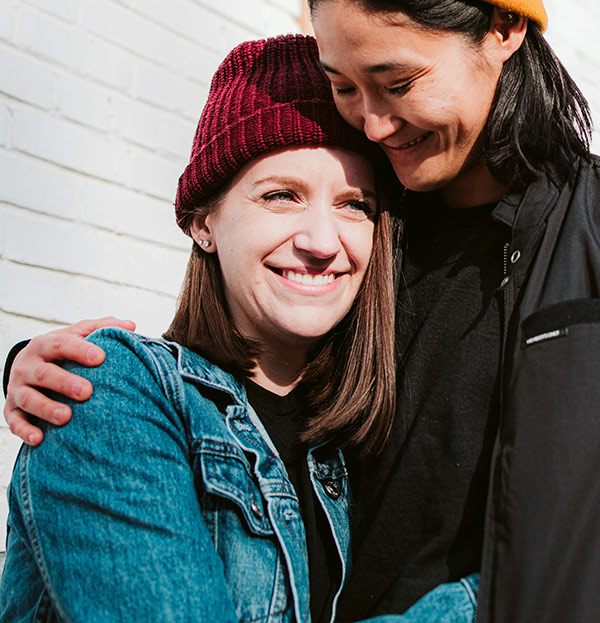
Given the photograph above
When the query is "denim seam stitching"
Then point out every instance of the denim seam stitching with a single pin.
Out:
(164, 373)
(469, 591)
(227, 489)
(35, 540)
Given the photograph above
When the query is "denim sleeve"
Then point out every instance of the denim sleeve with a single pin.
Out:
(107, 509)
(454, 602)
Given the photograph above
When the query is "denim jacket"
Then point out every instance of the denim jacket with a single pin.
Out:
(166, 495)
(164, 500)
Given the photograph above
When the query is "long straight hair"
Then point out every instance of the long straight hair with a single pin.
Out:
(351, 378)
(538, 116)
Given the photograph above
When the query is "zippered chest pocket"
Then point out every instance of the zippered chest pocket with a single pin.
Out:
(555, 320)
(225, 474)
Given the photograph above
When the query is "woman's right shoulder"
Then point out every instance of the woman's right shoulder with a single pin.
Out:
(172, 366)
(124, 347)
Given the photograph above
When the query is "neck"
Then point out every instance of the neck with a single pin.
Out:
(472, 188)
(280, 372)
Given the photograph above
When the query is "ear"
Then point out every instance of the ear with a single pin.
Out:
(507, 32)
(202, 234)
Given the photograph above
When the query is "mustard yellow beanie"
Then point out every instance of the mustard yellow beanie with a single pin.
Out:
(531, 9)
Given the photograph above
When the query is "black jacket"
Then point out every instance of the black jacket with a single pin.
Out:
(541, 558)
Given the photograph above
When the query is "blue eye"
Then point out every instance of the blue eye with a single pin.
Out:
(280, 195)
(360, 209)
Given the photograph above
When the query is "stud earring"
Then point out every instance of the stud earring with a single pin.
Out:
(205, 244)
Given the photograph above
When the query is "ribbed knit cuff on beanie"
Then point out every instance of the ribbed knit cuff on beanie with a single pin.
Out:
(265, 95)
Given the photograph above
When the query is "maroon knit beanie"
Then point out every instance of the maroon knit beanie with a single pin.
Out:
(265, 95)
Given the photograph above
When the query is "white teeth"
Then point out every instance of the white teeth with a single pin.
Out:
(414, 141)
(308, 280)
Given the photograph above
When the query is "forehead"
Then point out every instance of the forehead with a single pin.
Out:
(373, 42)
(310, 163)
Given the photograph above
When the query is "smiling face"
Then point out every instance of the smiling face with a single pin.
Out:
(423, 95)
(293, 236)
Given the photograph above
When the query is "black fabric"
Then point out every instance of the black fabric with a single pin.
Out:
(284, 418)
(14, 351)
(422, 503)
(542, 544)
(560, 316)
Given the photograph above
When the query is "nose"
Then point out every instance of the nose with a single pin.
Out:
(379, 121)
(318, 235)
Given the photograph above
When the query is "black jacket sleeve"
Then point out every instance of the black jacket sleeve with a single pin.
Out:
(14, 351)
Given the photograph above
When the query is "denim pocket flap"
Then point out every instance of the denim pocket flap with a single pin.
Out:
(227, 474)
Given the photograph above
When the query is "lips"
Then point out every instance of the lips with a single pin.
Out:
(411, 143)
(306, 279)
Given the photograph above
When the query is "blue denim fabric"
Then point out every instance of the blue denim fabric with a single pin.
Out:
(455, 602)
(164, 500)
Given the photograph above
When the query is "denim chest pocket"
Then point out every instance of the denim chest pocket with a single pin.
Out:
(226, 474)
(236, 516)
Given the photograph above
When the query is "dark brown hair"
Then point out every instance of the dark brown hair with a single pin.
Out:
(538, 114)
(351, 378)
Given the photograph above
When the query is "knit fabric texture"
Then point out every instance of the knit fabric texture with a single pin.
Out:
(266, 95)
(532, 9)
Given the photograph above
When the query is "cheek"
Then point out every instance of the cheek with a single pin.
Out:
(361, 247)
(350, 109)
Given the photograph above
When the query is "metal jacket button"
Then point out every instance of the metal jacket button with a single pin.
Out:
(333, 489)
(256, 508)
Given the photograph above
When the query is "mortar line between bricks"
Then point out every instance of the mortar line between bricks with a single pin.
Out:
(66, 273)
(95, 227)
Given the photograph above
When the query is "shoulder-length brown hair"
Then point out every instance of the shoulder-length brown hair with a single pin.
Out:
(351, 378)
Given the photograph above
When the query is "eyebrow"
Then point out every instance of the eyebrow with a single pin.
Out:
(279, 179)
(371, 69)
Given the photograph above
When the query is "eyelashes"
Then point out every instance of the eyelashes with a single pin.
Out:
(283, 200)
(395, 90)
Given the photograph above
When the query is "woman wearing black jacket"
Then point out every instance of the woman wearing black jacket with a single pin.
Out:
(491, 463)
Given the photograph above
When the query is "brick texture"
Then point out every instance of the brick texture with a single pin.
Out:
(99, 100)
(98, 105)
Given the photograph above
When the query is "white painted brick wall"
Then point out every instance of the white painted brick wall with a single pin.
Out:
(98, 104)
(572, 33)
(99, 100)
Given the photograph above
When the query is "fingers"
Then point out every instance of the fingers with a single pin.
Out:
(25, 399)
(58, 345)
(68, 343)
(20, 426)
(34, 368)
(26, 376)
(85, 327)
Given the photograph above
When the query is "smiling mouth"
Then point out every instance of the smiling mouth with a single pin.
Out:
(307, 279)
(415, 141)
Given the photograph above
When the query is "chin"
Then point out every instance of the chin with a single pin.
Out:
(423, 183)
(422, 186)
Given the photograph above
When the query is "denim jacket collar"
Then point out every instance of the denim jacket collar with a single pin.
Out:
(193, 367)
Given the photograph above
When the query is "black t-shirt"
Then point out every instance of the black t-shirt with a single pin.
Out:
(422, 502)
(284, 418)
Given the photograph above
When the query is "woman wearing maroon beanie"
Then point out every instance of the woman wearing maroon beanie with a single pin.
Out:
(203, 480)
